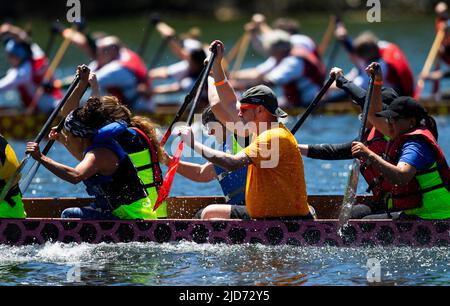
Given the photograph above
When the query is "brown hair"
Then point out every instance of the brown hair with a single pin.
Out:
(109, 109)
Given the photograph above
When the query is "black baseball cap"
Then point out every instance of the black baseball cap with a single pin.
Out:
(403, 107)
(263, 95)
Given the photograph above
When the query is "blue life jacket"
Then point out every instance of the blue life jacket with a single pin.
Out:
(121, 188)
(232, 182)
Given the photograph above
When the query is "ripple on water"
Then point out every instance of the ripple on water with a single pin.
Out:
(188, 263)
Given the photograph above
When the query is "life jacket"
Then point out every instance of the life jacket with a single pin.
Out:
(39, 66)
(133, 63)
(399, 74)
(143, 155)
(410, 195)
(314, 71)
(122, 193)
(232, 183)
(377, 143)
(149, 171)
(12, 205)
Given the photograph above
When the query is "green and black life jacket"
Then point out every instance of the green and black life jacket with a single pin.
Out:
(427, 195)
(12, 205)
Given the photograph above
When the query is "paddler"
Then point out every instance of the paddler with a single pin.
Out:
(120, 71)
(372, 138)
(367, 48)
(414, 172)
(105, 168)
(136, 134)
(296, 70)
(275, 185)
(28, 65)
(182, 74)
(12, 206)
(232, 183)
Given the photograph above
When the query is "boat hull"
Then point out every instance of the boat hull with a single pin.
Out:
(361, 233)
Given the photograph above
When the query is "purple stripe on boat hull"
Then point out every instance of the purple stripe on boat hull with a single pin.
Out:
(301, 233)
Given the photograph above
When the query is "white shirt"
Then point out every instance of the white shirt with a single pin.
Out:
(289, 69)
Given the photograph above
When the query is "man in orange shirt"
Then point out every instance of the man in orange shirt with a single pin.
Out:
(275, 185)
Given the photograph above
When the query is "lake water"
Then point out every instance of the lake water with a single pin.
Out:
(193, 264)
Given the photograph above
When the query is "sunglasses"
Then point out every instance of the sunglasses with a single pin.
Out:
(247, 106)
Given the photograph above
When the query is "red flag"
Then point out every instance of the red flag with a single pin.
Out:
(167, 183)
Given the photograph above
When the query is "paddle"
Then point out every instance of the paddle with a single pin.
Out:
(243, 47)
(187, 100)
(152, 21)
(312, 106)
(352, 184)
(172, 169)
(49, 73)
(159, 52)
(232, 53)
(429, 61)
(44, 131)
(54, 30)
(26, 181)
(327, 35)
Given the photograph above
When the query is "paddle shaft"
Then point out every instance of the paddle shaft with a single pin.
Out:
(50, 43)
(429, 61)
(172, 169)
(352, 184)
(187, 99)
(312, 106)
(200, 87)
(243, 47)
(44, 131)
(159, 52)
(49, 73)
(147, 34)
(35, 167)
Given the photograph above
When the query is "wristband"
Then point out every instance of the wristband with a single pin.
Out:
(220, 83)
(378, 83)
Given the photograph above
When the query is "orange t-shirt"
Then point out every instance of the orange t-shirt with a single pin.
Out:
(275, 180)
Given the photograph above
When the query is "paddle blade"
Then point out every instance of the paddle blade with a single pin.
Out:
(350, 193)
(26, 181)
(168, 180)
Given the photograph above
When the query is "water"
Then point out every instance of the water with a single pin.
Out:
(191, 264)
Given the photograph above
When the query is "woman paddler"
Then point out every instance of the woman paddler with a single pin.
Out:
(136, 134)
(105, 168)
(414, 172)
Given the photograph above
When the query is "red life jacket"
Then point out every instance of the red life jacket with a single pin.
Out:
(132, 62)
(399, 74)
(157, 173)
(409, 196)
(39, 66)
(377, 143)
(314, 70)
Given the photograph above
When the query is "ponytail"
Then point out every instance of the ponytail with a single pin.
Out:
(431, 125)
(148, 127)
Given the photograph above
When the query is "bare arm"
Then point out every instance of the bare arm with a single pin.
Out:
(399, 174)
(98, 161)
(375, 103)
(74, 99)
(197, 173)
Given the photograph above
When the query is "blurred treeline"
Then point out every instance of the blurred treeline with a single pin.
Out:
(221, 9)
